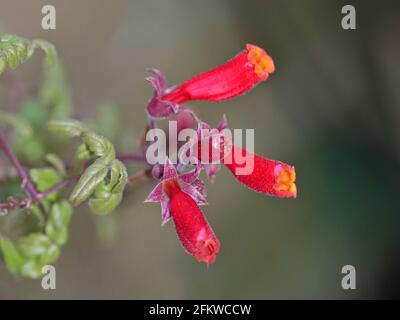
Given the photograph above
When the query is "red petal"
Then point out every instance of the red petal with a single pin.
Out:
(268, 176)
(191, 226)
(231, 79)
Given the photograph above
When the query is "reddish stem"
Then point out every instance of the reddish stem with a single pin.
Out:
(26, 181)
(56, 188)
(134, 157)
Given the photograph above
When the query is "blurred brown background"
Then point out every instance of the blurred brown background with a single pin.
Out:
(332, 109)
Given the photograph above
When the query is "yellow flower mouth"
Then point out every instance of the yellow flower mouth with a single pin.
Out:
(263, 63)
(285, 181)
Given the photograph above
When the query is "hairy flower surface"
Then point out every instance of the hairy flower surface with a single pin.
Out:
(181, 193)
(229, 80)
(268, 176)
(189, 183)
(192, 228)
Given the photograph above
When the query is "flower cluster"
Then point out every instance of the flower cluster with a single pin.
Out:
(180, 191)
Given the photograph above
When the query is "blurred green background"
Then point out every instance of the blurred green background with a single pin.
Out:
(332, 109)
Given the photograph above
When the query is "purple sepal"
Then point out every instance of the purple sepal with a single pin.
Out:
(204, 132)
(157, 108)
(156, 195)
(192, 178)
(169, 170)
(223, 124)
(191, 190)
(189, 182)
(165, 212)
(211, 170)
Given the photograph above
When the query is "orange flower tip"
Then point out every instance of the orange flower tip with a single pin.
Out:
(262, 62)
(285, 177)
(206, 248)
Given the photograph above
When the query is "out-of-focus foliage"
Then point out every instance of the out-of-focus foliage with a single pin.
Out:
(52, 102)
(29, 254)
(15, 50)
(45, 229)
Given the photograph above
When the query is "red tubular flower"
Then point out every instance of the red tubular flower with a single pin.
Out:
(268, 176)
(231, 79)
(191, 226)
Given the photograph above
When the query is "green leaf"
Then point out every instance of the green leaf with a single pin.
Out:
(99, 145)
(38, 215)
(70, 128)
(44, 179)
(3, 65)
(48, 48)
(82, 152)
(119, 185)
(12, 256)
(31, 269)
(58, 235)
(19, 124)
(34, 244)
(61, 214)
(59, 218)
(50, 256)
(15, 50)
(33, 112)
(31, 148)
(105, 206)
(86, 185)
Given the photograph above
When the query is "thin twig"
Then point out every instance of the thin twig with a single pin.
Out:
(134, 157)
(35, 197)
(56, 188)
(26, 181)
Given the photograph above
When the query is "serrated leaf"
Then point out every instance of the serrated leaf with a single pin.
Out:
(48, 48)
(34, 244)
(105, 206)
(15, 50)
(99, 145)
(70, 128)
(122, 180)
(86, 185)
(12, 256)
